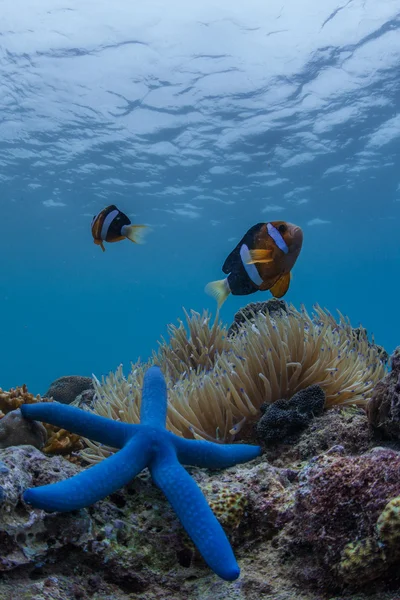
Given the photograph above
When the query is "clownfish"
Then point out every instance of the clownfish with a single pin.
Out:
(262, 260)
(112, 225)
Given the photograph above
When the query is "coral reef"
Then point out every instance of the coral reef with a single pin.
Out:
(66, 389)
(291, 535)
(335, 512)
(59, 441)
(16, 431)
(383, 408)
(14, 398)
(145, 445)
(316, 517)
(132, 541)
(285, 417)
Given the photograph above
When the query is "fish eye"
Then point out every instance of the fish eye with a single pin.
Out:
(282, 228)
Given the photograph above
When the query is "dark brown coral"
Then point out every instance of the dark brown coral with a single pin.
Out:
(383, 409)
(66, 389)
(272, 307)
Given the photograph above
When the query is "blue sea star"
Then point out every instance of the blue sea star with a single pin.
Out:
(146, 445)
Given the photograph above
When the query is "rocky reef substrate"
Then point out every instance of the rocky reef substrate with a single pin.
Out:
(315, 517)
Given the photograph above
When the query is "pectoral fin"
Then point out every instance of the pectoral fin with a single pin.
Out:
(219, 290)
(280, 288)
(99, 243)
(260, 256)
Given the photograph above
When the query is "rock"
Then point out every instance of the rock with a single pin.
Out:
(86, 399)
(30, 536)
(289, 527)
(362, 333)
(346, 426)
(338, 502)
(66, 389)
(272, 306)
(17, 431)
(383, 409)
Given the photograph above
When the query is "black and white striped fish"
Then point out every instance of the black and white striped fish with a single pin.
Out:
(112, 225)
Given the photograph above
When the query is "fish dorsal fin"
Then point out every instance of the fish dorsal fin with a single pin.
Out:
(232, 259)
(280, 288)
(260, 256)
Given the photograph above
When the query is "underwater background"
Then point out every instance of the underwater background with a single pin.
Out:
(200, 120)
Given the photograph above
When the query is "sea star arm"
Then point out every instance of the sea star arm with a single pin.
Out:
(94, 483)
(213, 456)
(153, 408)
(194, 513)
(100, 429)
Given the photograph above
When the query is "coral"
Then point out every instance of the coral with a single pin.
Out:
(364, 560)
(228, 504)
(269, 359)
(388, 526)
(383, 409)
(66, 389)
(371, 558)
(132, 544)
(16, 431)
(284, 417)
(15, 397)
(145, 445)
(59, 441)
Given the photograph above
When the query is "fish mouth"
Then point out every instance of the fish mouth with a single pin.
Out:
(297, 238)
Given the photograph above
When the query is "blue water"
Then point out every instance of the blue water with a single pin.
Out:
(200, 121)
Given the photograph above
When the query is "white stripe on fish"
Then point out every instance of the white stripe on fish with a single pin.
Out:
(278, 239)
(107, 222)
(251, 270)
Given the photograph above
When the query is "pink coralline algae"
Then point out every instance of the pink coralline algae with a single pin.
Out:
(339, 500)
(384, 407)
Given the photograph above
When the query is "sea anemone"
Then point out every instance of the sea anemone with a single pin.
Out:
(217, 384)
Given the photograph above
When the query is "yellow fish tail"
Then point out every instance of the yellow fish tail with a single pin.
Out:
(135, 233)
(219, 290)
